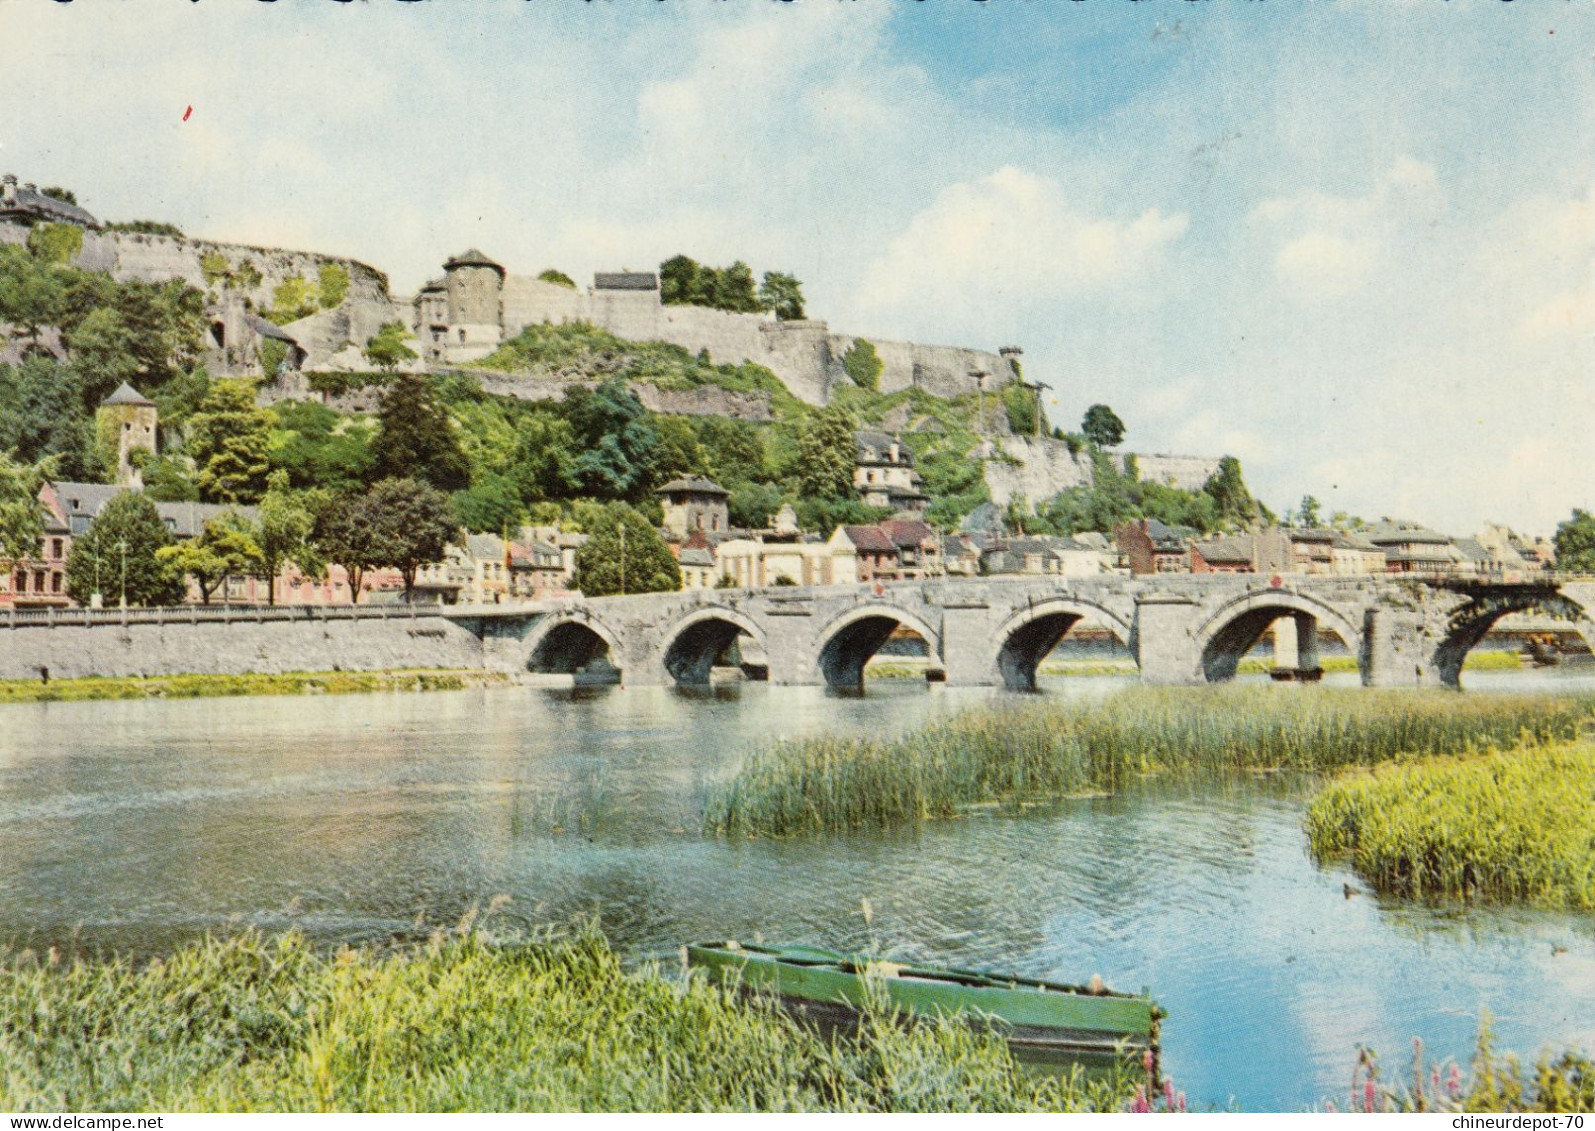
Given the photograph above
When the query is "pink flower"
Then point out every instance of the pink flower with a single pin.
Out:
(1140, 1106)
(1368, 1095)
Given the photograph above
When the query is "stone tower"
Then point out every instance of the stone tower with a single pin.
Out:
(474, 285)
(133, 419)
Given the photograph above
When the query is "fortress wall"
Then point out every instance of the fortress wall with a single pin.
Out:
(942, 371)
(155, 259)
(800, 354)
(730, 338)
(628, 314)
(530, 302)
(1185, 472)
(707, 400)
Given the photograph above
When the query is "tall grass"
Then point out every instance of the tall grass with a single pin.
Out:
(462, 1024)
(1047, 749)
(210, 685)
(1513, 825)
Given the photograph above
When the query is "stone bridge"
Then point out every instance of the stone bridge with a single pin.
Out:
(1181, 629)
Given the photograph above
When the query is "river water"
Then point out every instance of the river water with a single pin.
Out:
(138, 825)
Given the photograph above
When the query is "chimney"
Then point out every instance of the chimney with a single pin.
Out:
(8, 190)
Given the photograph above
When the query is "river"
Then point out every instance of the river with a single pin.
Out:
(137, 825)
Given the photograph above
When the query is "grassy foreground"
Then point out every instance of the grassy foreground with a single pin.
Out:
(253, 1024)
(1513, 825)
(209, 686)
(1044, 750)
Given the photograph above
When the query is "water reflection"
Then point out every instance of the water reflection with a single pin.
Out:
(138, 825)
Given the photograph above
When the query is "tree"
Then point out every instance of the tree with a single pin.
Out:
(21, 512)
(617, 445)
(783, 294)
(492, 504)
(680, 453)
(1227, 487)
(117, 556)
(1310, 512)
(680, 282)
(31, 294)
(56, 243)
(291, 300)
(558, 278)
(827, 455)
(224, 548)
(284, 533)
(386, 349)
(636, 562)
(412, 525)
(863, 364)
(1023, 408)
(229, 438)
(1575, 543)
(1102, 426)
(685, 282)
(415, 437)
(346, 537)
(545, 449)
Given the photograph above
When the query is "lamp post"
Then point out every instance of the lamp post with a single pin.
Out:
(121, 544)
(96, 601)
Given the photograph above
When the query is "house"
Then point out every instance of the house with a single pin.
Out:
(755, 562)
(25, 204)
(1312, 550)
(693, 503)
(1411, 548)
(1236, 553)
(894, 550)
(884, 475)
(1151, 546)
(1354, 555)
(40, 582)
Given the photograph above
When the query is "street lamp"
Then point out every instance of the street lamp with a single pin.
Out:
(121, 544)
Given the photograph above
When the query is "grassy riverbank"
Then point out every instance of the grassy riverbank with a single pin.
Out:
(895, 667)
(253, 1024)
(209, 686)
(1043, 750)
(1514, 825)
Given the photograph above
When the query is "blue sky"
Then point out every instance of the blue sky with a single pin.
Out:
(1349, 241)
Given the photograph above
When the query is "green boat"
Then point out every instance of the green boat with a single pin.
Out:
(1043, 1022)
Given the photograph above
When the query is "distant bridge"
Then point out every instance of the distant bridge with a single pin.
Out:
(1180, 629)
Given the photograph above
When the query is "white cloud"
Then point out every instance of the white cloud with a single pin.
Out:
(1009, 235)
(1322, 265)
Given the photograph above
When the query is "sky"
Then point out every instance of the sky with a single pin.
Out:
(1351, 242)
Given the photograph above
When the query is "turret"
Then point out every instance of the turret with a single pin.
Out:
(133, 419)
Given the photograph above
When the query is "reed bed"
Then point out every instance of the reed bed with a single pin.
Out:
(1514, 825)
(1048, 750)
(211, 686)
(462, 1024)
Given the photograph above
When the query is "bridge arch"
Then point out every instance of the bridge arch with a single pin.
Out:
(1030, 634)
(848, 642)
(697, 640)
(1231, 631)
(565, 643)
(1468, 624)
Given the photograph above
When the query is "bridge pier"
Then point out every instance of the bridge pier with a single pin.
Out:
(1163, 640)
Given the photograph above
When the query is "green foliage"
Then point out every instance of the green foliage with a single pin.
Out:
(1054, 749)
(146, 228)
(214, 268)
(1019, 402)
(617, 444)
(229, 438)
(1235, 504)
(319, 448)
(955, 484)
(255, 683)
(555, 1023)
(416, 439)
(225, 548)
(1517, 825)
(386, 349)
(411, 526)
(544, 459)
(56, 243)
(272, 354)
(638, 562)
(782, 294)
(680, 452)
(284, 532)
(56, 192)
(491, 505)
(558, 278)
(127, 530)
(294, 298)
(21, 512)
(753, 505)
(332, 284)
(167, 480)
(826, 453)
(1310, 512)
(1575, 543)
(42, 417)
(685, 282)
(863, 364)
(825, 515)
(1102, 426)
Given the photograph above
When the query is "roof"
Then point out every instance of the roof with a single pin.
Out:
(126, 394)
(695, 484)
(472, 258)
(1398, 532)
(82, 502)
(268, 329)
(869, 538)
(907, 531)
(31, 202)
(865, 443)
(1311, 534)
(1239, 549)
(625, 281)
(432, 285)
(696, 557)
(1348, 541)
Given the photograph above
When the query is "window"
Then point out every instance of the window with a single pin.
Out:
(55, 583)
(55, 547)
